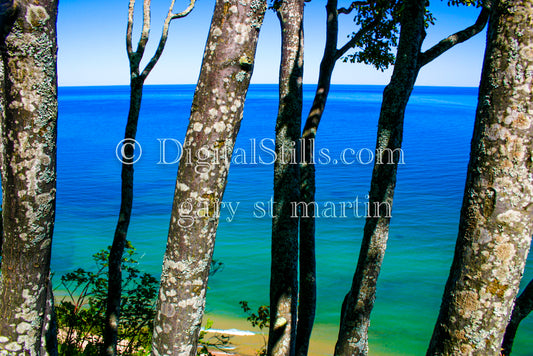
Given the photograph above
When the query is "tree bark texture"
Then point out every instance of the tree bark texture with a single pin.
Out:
(284, 265)
(28, 50)
(215, 119)
(522, 308)
(358, 303)
(497, 214)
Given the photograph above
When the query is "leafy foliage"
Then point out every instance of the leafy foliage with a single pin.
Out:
(376, 45)
(476, 3)
(81, 315)
(261, 319)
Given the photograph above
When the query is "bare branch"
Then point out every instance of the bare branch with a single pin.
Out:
(357, 37)
(145, 33)
(454, 39)
(185, 12)
(352, 6)
(164, 35)
(129, 30)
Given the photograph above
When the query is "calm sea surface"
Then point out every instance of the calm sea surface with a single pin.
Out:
(438, 129)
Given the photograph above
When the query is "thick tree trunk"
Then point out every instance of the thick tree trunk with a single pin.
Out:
(284, 265)
(28, 48)
(358, 303)
(121, 230)
(497, 214)
(522, 308)
(214, 123)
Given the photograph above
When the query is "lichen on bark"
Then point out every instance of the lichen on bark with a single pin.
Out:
(215, 118)
(28, 51)
(497, 214)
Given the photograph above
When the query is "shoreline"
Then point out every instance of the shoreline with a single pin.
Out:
(244, 343)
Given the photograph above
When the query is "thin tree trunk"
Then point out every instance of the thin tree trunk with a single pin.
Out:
(121, 230)
(358, 303)
(497, 214)
(2, 111)
(522, 308)
(307, 294)
(137, 78)
(214, 123)
(284, 265)
(28, 50)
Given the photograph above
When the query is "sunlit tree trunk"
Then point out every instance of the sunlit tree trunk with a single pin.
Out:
(284, 265)
(497, 214)
(28, 50)
(216, 114)
(358, 303)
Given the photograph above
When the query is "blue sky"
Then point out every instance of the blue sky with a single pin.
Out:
(91, 38)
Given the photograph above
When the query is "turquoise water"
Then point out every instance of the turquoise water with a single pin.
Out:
(438, 129)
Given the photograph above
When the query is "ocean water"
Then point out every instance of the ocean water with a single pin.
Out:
(425, 215)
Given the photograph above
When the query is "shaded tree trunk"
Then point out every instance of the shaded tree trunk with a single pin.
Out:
(284, 265)
(28, 51)
(2, 108)
(497, 214)
(216, 114)
(137, 78)
(307, 291)
(522, 308)
(358, 303)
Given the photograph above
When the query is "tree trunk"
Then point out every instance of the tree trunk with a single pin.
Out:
(28, 50)
(497, 214)
(358, 303)
(284, 265)
(214, 123)
(307, 294)
(121, 230)
(137, 78)
(522, 307)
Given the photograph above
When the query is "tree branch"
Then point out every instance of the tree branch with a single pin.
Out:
(164, 35)
(357, 37)
(145, 33)
(522, 307)
(352, 6)
(454, 39)
(129, 30)
(185, 12)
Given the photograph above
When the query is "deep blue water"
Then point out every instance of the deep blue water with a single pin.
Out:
(438, 129)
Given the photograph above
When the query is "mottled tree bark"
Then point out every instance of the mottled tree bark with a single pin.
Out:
(522, 308)
(28, 50)
(284, 265)
(215, 119)
(137, 78)
(358, 303)
(497, 213)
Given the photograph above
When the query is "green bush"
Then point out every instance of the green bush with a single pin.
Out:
(81, 314)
